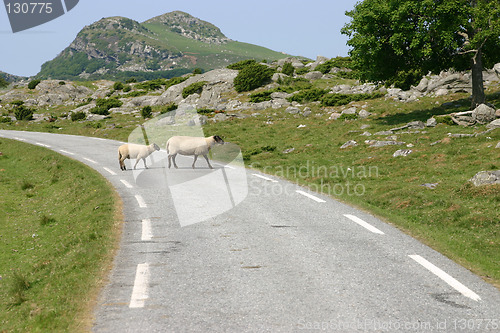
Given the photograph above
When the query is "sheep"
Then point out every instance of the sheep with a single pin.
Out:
(190, 145)
(138, 152)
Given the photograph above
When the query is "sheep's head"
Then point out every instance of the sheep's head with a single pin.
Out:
(218, 139)
(155, 146)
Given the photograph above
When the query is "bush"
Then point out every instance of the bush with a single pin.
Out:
(3, 82)
(127, 88)
(346, 116)
(288, 69)
(118, 86)
(308, 95)
(261, 96)
(22, 112)
(5, 120)
(103, 105)
(33, 84)
(205, 111)
(197, 71)
(405, 79)
(252, 76)
(339, 62)
(168, 108)
(194, 88)
(80, 115)
(242, 64)
(343, 99)
(146, 112)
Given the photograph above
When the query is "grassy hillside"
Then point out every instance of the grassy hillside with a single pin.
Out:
(58, 232)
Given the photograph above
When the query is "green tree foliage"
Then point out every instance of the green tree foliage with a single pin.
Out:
(146, 112)
(80, 115)
(288, 69)
(103, 105)
(252, 77)
(3, 82)
(242, 64)
(21, 111)
(397, 41)
(194, 88)
(118, 85)
(33, 84)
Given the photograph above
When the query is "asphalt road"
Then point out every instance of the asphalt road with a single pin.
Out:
(269, 259)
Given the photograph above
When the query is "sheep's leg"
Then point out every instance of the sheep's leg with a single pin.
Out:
(169, 161)
(136, 161)
(173, 159)
(195, 158)
(121, 160)
(145, 166)
(206, 157)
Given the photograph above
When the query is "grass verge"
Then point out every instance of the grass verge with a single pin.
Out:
(58, 232)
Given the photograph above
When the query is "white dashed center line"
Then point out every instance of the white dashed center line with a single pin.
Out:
(147, 233)
(364, 224)
(42, 144)
(140, 290)
(310, 196)
(141, 201)
(446, 278)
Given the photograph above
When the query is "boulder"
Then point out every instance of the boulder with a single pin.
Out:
(364, 114)
(334, 116)
(494, 124)
(431, 122)
(351, 110)
(292, 110)
(350, 143)
(483, 114)
(376, 143)
(315, 75)
(486, 178)
(402, 152)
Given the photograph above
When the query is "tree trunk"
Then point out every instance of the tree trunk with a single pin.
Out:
(478, 96)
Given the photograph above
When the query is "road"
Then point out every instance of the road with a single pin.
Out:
(282, 260)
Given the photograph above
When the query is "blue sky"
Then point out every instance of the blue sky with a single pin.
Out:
(306, 28)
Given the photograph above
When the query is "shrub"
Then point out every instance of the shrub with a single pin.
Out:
(168, 108)
(22, 112)
(445, 120)
(340, 62)
(175, 80)
(347, 116)
(405, 79)
(205, 111)
(136, 93)
(198, 71)
(3, 82)
(33, 84)
(194, 88)
(80, 115)
(288, 69)
(242, 64)
(252, 76)
(131, 80)
(146, 112)
(308, 95)
(343, 99)
(103, 105)
(5, 120)
(62, 83)
(118, 86)
(127, 88)
(261, 96)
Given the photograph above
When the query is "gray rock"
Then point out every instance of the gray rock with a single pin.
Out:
(334, 116)
(280, 95)
(287, 151)
(315, 75)
(384, 133)
(402, 152)
(307, 113)
(486, 178)
(351, 110)
(431, 122)
(366, 134)
(494, 124)
(430, 185)
(365, 126)
(498, 145)
(364, 114)
(376, 143)
(416, 125)
(292, 110)
(350, 143)
(219, 117)
(483, 114)
(278, 76)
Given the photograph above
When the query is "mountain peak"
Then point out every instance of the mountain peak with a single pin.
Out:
(191, 27)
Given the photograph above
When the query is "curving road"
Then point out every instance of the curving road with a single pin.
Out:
(282, 260)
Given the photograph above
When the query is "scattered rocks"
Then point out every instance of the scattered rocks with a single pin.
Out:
(334, 116)
(288, 151)
(402, 152)
(431, 186)
(350, 143)
(364, 114)
(431, 122)
(494, 124)
(351, 110)
(376, 143)
(292, 110)
(366, 134)
(384, 133)
(486, 178)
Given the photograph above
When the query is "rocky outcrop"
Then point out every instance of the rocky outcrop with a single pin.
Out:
(486, 178)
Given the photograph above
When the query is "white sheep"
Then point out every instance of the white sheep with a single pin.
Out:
(136, 151)
(191, 145)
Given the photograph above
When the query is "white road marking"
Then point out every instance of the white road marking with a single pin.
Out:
(42, 144)
(66, 152)
(126, 183)
(110, 171)
(91, 161)
(140, 290)
(310, 196)
(19, 139)
(265, 178)
(147, 233)
(446, 278)
(141, 201)
(364, 224)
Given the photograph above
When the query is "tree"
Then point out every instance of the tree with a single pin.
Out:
(398, 41)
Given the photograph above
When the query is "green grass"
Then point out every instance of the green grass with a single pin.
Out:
(58, 232)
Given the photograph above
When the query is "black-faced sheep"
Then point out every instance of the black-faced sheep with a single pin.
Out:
(191, 146)
(136, 151)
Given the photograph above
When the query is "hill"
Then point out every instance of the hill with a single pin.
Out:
(164, 46)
